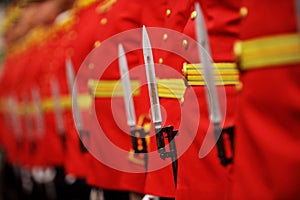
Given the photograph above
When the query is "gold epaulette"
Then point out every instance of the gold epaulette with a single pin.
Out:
(12, 15)
(268, 51)
(70, 16)
(36, 36)
(225, 74)
(105, 6)
(81, 4)
(69, 20)
(65, 23)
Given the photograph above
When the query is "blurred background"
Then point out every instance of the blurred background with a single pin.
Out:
(3, 8)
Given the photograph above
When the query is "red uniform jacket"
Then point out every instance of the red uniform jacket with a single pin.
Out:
(267, 159)
(197, 176)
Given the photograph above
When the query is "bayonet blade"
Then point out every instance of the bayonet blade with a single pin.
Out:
(130, 111)
(155, 108)
(207, 67)
(73, 91)
(36, 98)
(27, 118)
(75, 106)
(14, 115)
(151, 80)
(57, 106)
(211, 89)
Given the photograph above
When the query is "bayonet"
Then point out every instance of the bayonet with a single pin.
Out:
(73, 91)
(15, 117)
(211, 90)
(152, 88)
(37, 106)
(28, 123)
(75, 107)
(58, 110)
(136, 133)
(130, 112)
(155, 109)
(207, 67)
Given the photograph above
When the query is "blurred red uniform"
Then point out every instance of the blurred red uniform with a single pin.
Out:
(36, 148)
(206, 177)
(9, 140)
(74, 39)
(200, 177)
(101, 175)
(168, 66)
(107, 177)
(267, 156)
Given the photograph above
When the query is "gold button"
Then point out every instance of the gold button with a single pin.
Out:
(168, 12)
(239, 86)
(160, 60)
(91, 66)
(182, 100)
(193, 15)
(243, 12)
(165, 36)
(184, 70)
(185, 44)
(237, 49)
(103, 21)
(97, 44)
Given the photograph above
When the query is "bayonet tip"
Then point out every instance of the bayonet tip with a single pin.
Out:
(120, 49)
(69, 66)
(145, 38)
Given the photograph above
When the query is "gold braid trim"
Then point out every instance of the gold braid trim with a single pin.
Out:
(11, 17)
(81, 4)
(105, 6)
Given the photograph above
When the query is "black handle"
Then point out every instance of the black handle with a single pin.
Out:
(63, 139)
(222, 154)
(83, 133)
(170, 135)
(136, 136)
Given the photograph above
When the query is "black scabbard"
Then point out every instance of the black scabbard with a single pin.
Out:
(82, 134)
(170, 135)
(219, 133)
